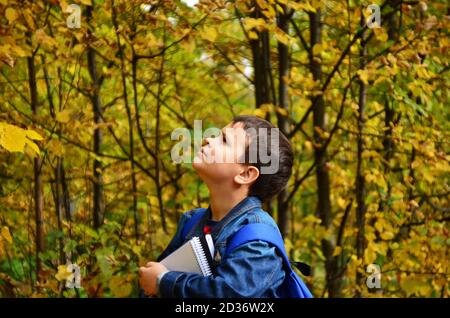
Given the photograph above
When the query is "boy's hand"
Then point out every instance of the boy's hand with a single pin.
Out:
(148, 276)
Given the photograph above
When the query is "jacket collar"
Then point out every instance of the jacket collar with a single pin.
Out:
(243, 206)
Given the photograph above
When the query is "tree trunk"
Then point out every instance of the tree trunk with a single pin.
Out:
(98, 134)
(360, 182)
(66, 195)
(333, 277)
(261, 63)
(157, 142)
(130, 125)
(263, 78)
(58, 208)
(38, 196)
(389, 112)
(58, 197)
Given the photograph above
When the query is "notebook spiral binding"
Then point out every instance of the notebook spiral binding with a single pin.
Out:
(200, 251)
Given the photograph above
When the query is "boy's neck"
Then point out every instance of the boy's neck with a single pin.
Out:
(223, 201)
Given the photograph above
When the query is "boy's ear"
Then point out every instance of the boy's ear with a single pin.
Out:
(247, 175)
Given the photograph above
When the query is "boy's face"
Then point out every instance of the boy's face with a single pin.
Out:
(220, 158)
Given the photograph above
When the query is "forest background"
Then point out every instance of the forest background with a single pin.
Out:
(91, 90)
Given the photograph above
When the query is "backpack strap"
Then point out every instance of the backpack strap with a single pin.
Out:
(258, 231)
(192, 221)
(267, 233)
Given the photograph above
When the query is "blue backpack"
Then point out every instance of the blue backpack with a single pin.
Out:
(293, 286)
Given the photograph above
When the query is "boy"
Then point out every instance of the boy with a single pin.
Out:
(237, 189)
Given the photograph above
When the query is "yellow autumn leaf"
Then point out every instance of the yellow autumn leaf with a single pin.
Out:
(120, 287)
(262, 110)
(387, 235)
(317, 49)
(379, 225)
(43, 38)
(415, 286)
(281, 36)
(363, 75)
(337, 251)
(14, 138)
(422, 72)
(304, 6)
(380, 79)
(414, 88)
(341, 202)
(55, 147)
(5, 56)
(137, 249)
(11, 15)
(312, 7)
(259, 112)
(253, 35)
(282, 111)
(33, 135)
(250, 23)
(6, 235)
(380, 34)
(308, 145)
(209, 34)
(34, 147)
(63, 273)
(370, 254)
(288, 245)
(296, 6)
(28, 15)
(63, 117)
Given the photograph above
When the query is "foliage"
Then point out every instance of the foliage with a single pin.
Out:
(162, 64)
(14, 138)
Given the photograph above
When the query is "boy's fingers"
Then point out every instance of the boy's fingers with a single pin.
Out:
(149, 264)
(141, 270)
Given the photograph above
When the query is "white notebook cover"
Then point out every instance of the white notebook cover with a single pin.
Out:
(190, 257)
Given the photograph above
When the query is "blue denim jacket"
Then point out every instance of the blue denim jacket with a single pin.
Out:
(251, 270)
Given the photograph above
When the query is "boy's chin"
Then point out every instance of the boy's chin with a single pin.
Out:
(201, 168)
(212, 173)
(198, 164)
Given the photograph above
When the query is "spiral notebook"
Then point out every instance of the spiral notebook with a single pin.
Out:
(194, 256)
